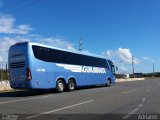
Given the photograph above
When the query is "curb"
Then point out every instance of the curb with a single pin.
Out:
(129, 79)
(5, 86)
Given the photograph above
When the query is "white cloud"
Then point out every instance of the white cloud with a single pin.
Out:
(19, 33)
(111, 53)
(122, 58)
(56, 42)
(7, 26)
(147, 58)
(6, 42)
(123, 68)
(124, 55)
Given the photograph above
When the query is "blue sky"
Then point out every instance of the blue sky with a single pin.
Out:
(117, 29)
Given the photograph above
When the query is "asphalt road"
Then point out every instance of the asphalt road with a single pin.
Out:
(128, 101)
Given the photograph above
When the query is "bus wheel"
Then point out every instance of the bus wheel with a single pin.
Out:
(71, 85)
(60, 86)
(108, 83)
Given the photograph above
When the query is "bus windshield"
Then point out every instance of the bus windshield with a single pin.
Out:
(112, 67)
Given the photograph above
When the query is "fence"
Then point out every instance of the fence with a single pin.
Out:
(4, 71)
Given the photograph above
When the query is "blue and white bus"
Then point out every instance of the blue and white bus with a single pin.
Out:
(37, 66)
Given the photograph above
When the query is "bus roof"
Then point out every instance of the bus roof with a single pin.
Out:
(77, 52)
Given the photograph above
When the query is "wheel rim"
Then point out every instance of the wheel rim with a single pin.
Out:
(71, 86)
(108, 82)
(60, 86)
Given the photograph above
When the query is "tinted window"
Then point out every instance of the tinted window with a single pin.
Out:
(111, 66)
(58, 56)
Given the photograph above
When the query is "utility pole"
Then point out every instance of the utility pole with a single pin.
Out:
(6, 67)
(133, 65)
(80, 44)
(1, 69)
(153, 68)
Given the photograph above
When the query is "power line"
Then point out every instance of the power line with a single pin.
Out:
(133, 65)
(10, 5)
(28, 5)
(153, 69)
(25, 6)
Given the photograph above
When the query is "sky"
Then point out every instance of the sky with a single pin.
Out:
(115, 29)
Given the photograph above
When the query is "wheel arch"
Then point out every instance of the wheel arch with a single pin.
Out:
(61, 78)
(110, 80)
(72, 78)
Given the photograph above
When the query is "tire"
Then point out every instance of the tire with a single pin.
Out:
(60, 86)
(71, 85)
(108, 83)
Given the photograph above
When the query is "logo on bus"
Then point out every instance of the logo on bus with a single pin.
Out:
(83, 69)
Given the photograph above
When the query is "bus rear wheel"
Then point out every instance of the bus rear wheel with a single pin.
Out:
(60, 86)
(71, 85)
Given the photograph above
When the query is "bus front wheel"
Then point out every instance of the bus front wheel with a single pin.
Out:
(60, 86)
(71, 85)
(108, 83)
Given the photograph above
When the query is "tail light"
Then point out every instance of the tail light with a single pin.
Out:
(28, 74)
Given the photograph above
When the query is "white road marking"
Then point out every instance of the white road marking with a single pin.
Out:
(135, 110)
(23, 99)
(140, 105)
(52, 111)
(130, 113)
(129, 91)
(143, 100)
(149, 89)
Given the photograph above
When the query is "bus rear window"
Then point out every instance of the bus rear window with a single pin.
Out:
(17, 61)
(17, 58)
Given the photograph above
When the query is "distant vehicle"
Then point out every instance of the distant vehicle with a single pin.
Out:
(125, 76)
(138, 75)
(37, 66)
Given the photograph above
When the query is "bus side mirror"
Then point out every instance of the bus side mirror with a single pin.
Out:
(116, 68)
